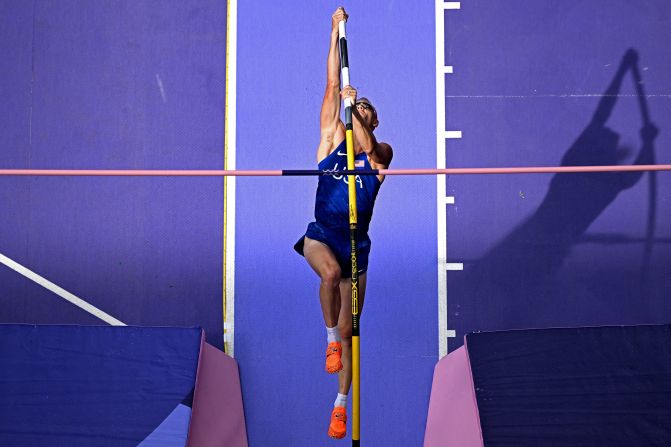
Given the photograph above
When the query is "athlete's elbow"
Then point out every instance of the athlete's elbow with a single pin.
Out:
(333, 83)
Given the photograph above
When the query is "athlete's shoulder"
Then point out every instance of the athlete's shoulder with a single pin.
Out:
(386, 150)
(381, 157)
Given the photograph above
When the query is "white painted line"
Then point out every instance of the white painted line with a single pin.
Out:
(441, 197)
(454, 266)
(227, 335)
(160, 88)
(230, 154)
(60, 291)
(441, 236)
(451, 333)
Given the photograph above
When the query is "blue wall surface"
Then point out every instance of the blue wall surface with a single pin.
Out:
(113, 85)
(570, 249)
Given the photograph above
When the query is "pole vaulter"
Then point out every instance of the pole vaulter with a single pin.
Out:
(349, 141)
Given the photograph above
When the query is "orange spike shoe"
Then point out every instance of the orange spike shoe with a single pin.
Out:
(338, 426)
(333, 357)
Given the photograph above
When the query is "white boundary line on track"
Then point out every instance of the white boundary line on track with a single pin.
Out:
(442, 199)
(107, 318)
(230, 152)
(440, 179)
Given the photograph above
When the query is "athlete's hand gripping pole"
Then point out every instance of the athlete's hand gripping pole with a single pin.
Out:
(349, 141)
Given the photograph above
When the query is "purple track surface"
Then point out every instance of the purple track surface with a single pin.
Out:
(280, 336)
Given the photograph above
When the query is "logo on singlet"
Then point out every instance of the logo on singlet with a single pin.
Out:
(344, 177)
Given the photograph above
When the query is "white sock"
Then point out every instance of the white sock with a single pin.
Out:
(341, 400)
(332, 334)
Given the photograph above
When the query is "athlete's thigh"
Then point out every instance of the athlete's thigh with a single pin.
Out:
(319, 256)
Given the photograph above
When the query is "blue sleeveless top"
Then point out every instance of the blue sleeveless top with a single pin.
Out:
(332, 202)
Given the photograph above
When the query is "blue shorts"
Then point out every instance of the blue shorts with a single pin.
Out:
(339, 244)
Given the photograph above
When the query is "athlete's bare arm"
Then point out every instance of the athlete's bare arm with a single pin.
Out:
(332, 131)
(379, 153)
(364, 122)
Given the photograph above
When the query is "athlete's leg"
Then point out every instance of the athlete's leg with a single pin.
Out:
(345, 326)
(323, 262)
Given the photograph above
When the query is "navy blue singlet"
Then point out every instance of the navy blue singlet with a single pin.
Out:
(332, 202)
(332, 209)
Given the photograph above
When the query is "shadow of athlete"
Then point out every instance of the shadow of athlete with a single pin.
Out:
(514, 284)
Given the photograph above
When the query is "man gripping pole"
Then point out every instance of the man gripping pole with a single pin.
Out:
(336, 245)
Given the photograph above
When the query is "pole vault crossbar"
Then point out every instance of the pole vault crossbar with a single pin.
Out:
(318, 172)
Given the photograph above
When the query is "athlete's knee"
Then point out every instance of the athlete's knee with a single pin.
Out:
(345, 333)
(330, 275)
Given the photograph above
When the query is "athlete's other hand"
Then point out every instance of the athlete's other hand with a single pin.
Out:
(349, 92)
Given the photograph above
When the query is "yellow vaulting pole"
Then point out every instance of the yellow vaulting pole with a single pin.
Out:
(351, 180)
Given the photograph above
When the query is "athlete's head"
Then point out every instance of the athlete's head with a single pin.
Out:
(367, 111)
